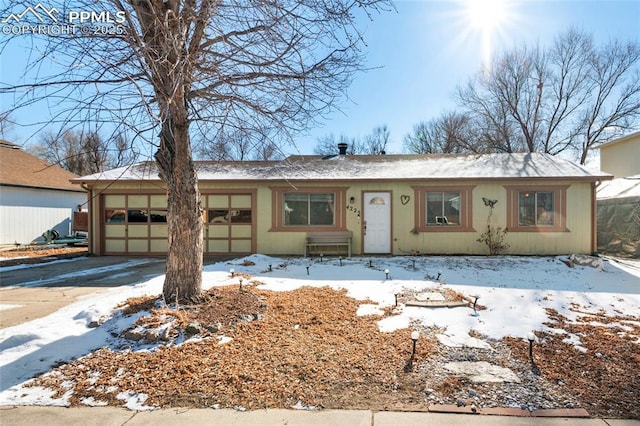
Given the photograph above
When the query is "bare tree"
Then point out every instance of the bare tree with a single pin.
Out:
(374, 143)
(239, 145)
(556, 99)
(614, 101)
(450, 133)
(6, 125)
(230, 64)
(83, 153)
(328, 145)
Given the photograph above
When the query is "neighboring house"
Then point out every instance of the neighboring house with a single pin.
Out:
(35, 196)
(392, 204)
(619, 216)
(621, 157)
(619, 200)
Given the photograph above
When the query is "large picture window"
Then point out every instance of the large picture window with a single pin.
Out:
(536, 208)
(309, 209)
(443, 208)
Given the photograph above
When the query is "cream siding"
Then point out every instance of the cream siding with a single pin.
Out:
(404, 239)
(621, 158)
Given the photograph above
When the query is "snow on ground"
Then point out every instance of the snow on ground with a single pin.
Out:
(515, 290)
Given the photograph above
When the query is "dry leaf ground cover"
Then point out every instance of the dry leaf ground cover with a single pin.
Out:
(605, 375)
(308, 348)
(36, 254)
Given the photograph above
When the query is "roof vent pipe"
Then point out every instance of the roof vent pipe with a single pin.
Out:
(342, 148)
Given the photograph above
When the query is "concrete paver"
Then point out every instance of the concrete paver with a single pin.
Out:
(389, 418)
(54, 416)
(260, 417)
(112, 416)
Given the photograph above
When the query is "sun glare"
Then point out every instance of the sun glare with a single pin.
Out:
(486, 15)
(487, 18)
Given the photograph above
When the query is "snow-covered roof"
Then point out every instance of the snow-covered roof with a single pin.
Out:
(366, 167)
(619, 188)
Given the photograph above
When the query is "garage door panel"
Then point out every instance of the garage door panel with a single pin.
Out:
(239, 231)
(115, 231)
(241, 246)
(218, 246)
(115, 246)
(159, 246)
(158, 201)
(138, 231)
(138, 246)
(159, 231)
(218, 231)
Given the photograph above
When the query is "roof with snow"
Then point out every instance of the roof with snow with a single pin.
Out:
(367, 167)
(627, 187)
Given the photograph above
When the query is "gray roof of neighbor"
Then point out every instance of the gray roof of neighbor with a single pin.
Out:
(368, 167)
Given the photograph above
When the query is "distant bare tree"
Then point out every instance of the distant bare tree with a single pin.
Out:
(83, 153)
(451, 133)
(614, 101)
(328, 145)
(556, 99)
(374, 143)
(6, 126)
(231, 64)
(239, 145)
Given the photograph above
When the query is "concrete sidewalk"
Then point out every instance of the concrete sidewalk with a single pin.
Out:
(110, 416)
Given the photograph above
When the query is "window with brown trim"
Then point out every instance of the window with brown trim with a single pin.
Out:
(536, 208)
(307, 209)
(443, 208)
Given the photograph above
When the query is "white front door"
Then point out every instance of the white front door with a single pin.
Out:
(377, 222)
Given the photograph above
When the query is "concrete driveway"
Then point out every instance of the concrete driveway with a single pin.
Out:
(28, 292)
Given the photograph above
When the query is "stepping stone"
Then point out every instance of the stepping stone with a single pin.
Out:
(482, 371)
(430, 297)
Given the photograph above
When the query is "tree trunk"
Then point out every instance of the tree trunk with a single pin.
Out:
(183, 282)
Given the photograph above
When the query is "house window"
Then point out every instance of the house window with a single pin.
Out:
(309, 209)
(443, 208)
(536, 208)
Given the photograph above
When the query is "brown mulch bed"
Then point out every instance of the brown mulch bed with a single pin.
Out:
(38, 254)
(605, 378)
(309, 346)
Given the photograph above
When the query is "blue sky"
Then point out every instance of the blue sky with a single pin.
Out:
(420, 52)
(428, 47)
